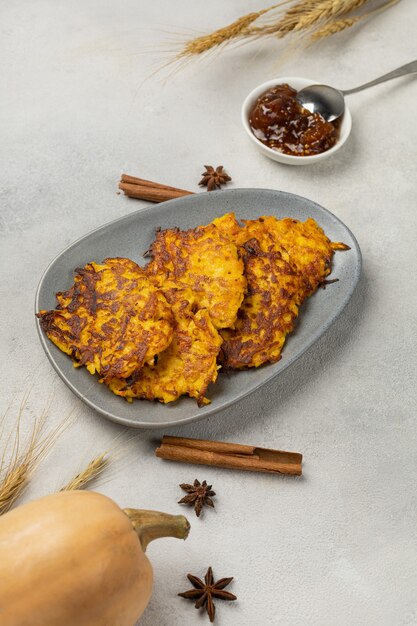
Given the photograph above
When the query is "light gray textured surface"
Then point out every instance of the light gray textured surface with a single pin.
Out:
(338, 546)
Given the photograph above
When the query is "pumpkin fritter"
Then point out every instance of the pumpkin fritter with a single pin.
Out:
(302, 244)
(206, 261)
(113, 320)
(285, 261)
(187, 366)
(267, 313)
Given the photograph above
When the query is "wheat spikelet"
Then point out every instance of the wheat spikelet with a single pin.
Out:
(12, 486)
(333, 27)
(202, 44)
(93, 469)
(327, 10)
(290, 19)
(19, 472)
(15, 473)
(337, 26)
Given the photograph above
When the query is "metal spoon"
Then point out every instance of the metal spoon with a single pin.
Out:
(330, 102)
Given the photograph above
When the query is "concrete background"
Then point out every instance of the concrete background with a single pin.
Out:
(338, 546)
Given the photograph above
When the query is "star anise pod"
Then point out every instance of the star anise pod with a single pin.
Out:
(204, 592)
(214, 178)
(198, 495)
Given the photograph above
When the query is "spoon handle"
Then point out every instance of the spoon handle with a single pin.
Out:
(409, 68)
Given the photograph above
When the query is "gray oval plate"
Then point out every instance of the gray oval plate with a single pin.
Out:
(130, 236)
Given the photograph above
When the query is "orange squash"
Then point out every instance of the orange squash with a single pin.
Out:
(76, 559)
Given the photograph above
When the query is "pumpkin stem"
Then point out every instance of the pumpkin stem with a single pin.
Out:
(150, 525)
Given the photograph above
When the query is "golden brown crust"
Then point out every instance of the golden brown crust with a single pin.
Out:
(268, 311)
(112, 320)
(302, 244)
(186, 367)
(285, 261)
(206, 261)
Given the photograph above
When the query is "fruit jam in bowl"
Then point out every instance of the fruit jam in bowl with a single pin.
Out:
(285, 131)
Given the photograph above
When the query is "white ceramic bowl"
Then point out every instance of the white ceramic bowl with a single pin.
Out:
(297, 83)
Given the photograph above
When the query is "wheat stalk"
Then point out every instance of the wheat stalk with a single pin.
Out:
(316, 19)
(17, 466)
(12, 486)
(338, 25)
(93, 469)
(289, 20)
(333, 27)
(327, 10)
(17, 475)
(236, 29)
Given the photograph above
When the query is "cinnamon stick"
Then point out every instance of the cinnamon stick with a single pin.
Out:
(133, 180)
(148, 190)
(229, 455)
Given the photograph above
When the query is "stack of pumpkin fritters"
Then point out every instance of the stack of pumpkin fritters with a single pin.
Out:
(222, 295)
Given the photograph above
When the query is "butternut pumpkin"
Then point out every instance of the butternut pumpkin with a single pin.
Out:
(76, 559)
